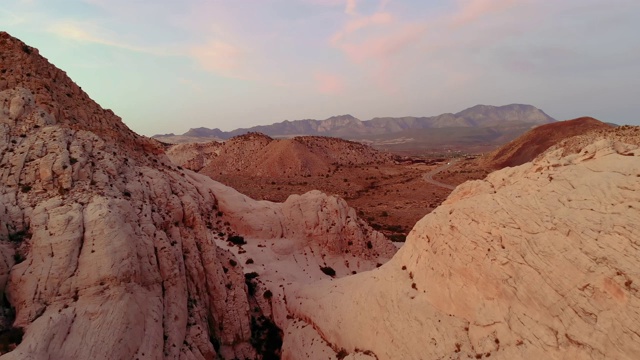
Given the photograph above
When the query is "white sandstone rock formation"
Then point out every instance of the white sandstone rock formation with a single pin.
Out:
(109, 251)
(539, 261)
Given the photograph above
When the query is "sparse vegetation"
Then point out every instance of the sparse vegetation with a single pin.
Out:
(19, 236)
(328, 270)
(251, 275)
(249, 281)
(237, 240)
(266, 337)
(10, 338)
(342, 354)
(398, 237)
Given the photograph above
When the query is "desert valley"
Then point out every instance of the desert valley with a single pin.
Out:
(495, 232)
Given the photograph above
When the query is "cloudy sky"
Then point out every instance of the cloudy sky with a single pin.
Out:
(166, 66)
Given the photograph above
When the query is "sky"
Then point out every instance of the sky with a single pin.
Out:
(167, 66)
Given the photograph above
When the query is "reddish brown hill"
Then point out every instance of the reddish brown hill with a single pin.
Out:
(22, 66)
(537, 140)
(256, 154)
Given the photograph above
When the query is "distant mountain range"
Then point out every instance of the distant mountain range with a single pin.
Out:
(479, 124)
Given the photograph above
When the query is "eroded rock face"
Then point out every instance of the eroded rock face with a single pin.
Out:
(536, 261)
(117, 247)
(194, 156)
(109, 251)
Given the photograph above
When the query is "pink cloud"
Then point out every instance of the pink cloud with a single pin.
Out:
(472, 10)
(383, 47)
(219, 57)
(350, 7)
(378, 43)
(361, 22)
(327, 83)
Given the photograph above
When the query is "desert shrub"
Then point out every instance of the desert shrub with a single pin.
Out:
(398, 238)
(251, 285)
(18, 258)
(10, 338)
(342, 354)
(251, 275)
(266, 338)
(394, 228)
(384, 214)
(73, 160)
(328, 270)
(249, 261)
(25, 188)
(369, 245)
(267, 294)
(237, 240)
(126, 193)
(19, 236)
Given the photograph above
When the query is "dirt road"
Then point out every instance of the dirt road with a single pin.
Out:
(428, 177)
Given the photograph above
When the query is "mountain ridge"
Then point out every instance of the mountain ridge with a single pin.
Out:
(347, 126)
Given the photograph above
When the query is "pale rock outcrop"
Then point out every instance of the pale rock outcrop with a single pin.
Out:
(194, 156)
(537, 261)
(109, 251)
(326, 221)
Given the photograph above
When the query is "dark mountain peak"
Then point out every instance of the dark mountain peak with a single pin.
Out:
(343, 117)
(252, 136)
(204, 132)
(488, 108)
(348, 126)
(488, 115)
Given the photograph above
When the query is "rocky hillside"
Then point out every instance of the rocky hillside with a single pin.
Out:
(349, 127)
(533, 143)
(258, 155)
(109, 251)
(539, 261)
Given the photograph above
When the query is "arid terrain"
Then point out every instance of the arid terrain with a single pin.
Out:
(111, 250)
(522, 149)
(388, 191)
